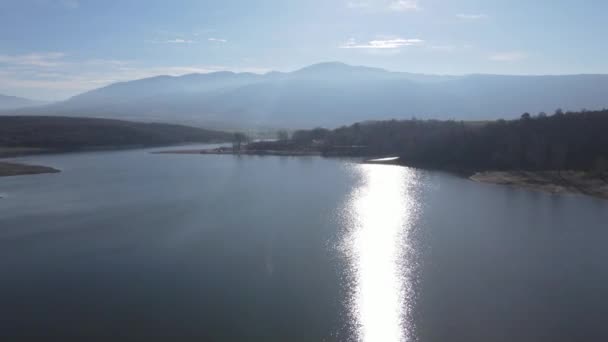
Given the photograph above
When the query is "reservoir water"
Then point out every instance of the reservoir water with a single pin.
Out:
(129, 245)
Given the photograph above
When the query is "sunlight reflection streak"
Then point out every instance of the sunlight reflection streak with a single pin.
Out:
(377, 245)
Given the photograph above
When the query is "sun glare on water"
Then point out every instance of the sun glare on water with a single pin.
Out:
(377, 243)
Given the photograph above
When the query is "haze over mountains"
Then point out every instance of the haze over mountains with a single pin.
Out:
(14, 102)
(330, 94)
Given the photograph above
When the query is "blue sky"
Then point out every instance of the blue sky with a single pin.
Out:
(53, 49)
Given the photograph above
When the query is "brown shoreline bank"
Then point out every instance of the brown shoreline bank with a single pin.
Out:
(16, 169)
(562, 182)
(555, 182)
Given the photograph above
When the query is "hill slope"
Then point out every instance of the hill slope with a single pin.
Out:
(332, 94)
(14, 102)
(77, 133)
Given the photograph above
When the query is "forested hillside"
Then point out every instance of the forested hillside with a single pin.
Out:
(571, 140)
(74, 133)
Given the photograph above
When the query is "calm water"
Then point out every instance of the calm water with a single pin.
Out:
(135, 246)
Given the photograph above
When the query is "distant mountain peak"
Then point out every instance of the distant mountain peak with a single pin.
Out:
(335, 67)
(331, 93)
(326, 65)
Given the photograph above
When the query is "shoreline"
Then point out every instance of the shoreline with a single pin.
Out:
(14, 152)
(17, 169)
(564, 182)
(219, 151)
(554, 182)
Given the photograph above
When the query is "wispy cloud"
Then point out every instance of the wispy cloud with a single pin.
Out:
(217, 40)
(509, 56)
(404, 5)
(171, 41)
(389, 5)
(54, 75)
(107, 62)
(179, 41)
(47, 59)
(393, 43)
(477, 16)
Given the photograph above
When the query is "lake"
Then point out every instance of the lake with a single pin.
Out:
(129, 245)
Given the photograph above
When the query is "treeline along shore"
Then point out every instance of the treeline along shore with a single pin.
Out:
(561, 152)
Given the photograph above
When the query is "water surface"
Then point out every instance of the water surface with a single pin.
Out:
(130, 245)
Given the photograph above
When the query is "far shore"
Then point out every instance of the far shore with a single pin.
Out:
(13, 152)
(229, 151)
(16, 169)
(556, 182)
(562, 182)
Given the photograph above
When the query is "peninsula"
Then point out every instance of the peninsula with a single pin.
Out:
(566, 152)
(16, 169)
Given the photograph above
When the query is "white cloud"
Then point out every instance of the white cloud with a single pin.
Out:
(171, 41)
(217, 40)
(404, 5)
(389, 5)
(471, 16)
(107, 62)
(509, 56)
(179, 41)
(33, 76)
(47, 59)
(393, 43)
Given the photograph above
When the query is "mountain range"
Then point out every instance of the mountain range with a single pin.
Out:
(330, 94)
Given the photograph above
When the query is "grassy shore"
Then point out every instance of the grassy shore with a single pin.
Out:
(549, 181)
(14, 169)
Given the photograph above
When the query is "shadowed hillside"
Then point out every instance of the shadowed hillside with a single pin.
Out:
(76, 133)
(562, 141)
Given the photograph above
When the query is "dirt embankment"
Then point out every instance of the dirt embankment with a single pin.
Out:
(549, 181)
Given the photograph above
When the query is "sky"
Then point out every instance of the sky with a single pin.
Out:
(54, 49)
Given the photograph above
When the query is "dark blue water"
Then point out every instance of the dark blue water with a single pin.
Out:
(130, 246)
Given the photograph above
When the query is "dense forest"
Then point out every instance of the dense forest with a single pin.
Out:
(76, 133)
(572, 140)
